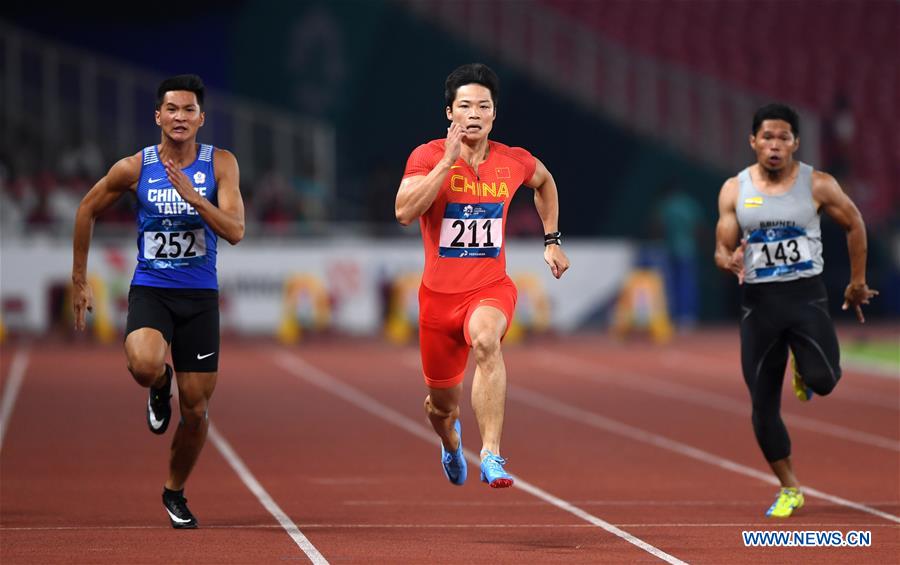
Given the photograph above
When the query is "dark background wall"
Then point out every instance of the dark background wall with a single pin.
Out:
(376, 73)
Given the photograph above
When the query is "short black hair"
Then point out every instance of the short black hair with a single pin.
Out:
(777, 111)
(472, 73)
(191, 83)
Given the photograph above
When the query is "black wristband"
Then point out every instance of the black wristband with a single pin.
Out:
(552, 238)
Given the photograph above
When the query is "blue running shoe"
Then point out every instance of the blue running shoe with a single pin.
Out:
(492, 471)
(455, 463)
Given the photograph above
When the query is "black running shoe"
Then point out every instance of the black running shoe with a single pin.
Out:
(176, 505)
(159, 409)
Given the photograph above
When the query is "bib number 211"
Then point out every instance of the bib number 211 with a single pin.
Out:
(473, 226)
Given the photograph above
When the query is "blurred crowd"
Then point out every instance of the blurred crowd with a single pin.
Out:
(44, 200)
(37, 199)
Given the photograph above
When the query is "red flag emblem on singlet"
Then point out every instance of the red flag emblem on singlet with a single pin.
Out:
(502, 172)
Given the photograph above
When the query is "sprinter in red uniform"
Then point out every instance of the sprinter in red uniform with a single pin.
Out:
(460, 189)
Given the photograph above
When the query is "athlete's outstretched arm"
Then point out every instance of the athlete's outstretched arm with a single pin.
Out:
(833, 201)
(121, 177)
(226, 219)
(546, 200)
(729, 255)
(416, 194)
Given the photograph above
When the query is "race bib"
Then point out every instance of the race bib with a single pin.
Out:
(472, 230)
(172, 243)
(778, 251)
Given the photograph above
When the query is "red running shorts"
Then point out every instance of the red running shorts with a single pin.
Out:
(444, 339)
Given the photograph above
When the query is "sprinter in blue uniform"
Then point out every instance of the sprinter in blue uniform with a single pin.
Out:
(188, 196)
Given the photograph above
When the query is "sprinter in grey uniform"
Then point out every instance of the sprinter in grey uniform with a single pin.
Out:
(768, 235)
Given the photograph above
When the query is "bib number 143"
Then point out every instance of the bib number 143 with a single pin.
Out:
(785, 252)
(779, 252)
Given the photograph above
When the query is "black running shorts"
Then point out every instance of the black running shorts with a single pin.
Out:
(187, 318)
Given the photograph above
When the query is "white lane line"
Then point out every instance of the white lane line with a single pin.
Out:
(568, 411)
(298, 367)
(420, 526)
(268, 503)
(651, 385)
(11, 389)
(610, 503)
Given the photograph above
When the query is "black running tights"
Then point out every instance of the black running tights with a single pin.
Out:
(774, 317)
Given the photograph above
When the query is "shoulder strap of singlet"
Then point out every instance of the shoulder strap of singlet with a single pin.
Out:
(804, 177)
(745, 183)
(150, 155)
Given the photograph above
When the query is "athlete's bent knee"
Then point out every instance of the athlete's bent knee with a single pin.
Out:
(145, 372)
(822, 383)
(485, 345)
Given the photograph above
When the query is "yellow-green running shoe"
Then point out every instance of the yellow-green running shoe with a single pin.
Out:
(788, 500)
(803, 392)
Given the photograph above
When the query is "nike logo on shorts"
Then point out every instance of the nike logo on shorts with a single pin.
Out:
(201, 357)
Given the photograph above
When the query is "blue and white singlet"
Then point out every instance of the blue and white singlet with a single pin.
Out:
(176, 249)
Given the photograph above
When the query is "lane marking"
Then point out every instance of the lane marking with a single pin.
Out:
(418, 525)
(570, 412)
(648, 384)
(611, 503)
(563, 363)
(268, 503)
(298, 367)
(11, 390)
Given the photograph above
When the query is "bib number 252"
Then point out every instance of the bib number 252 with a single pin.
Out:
(168, 245)
(171, 247)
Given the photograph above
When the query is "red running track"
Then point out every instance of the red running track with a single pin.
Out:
(626, 453)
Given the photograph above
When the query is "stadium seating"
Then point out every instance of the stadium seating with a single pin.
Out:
(805, 53)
